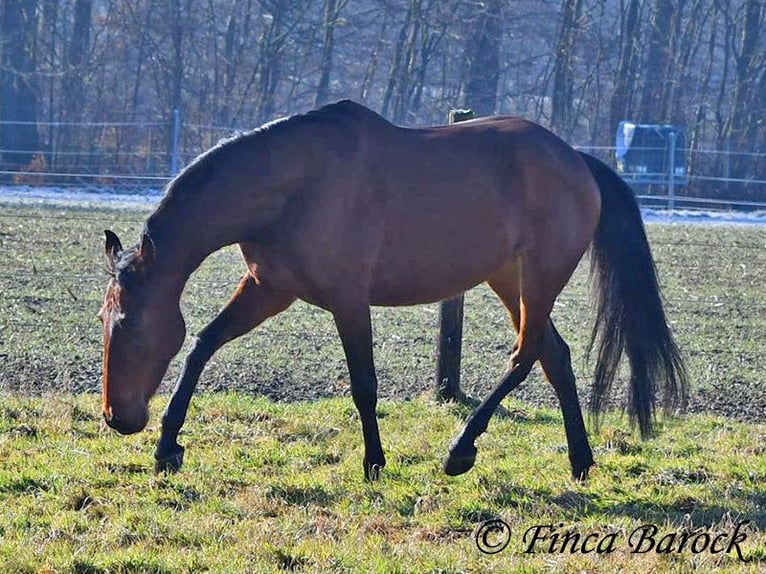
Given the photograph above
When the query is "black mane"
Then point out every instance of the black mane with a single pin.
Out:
(199, 170)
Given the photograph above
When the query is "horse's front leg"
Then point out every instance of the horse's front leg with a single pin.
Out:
(355, 330)
(250, 305)
(169, 455)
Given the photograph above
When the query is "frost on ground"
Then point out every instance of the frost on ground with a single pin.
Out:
(117, 197)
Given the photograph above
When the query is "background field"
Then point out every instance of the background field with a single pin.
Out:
(278, 485)
(52, 276)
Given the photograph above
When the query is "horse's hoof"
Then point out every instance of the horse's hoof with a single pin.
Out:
(455, 464)
(373, 472)
(580, 473)
(170, 463)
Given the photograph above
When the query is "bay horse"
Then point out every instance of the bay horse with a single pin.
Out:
(344, 210)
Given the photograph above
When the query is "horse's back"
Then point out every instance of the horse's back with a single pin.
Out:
(418, 215)
(460, 202)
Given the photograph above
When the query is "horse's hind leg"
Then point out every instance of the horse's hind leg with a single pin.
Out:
(529, 302)
(528, 290)
(556, 363)
(250, 305)
(462, 450)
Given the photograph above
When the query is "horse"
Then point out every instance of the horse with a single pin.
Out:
(344, 210)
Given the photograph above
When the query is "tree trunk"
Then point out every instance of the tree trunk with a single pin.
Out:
(742, 125)
(621, 107)
(746, 69)
(562, 119)
(331, 12)
(371, 69)
(175, 75)
(18, 96)
(395, 73)
(482, 52)
(270, 65)
(72, 85)
(697, 135)
(402, 94)
(760, 126)
(657, 72)
(76, 56)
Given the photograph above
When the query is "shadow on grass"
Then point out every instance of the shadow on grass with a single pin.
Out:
(578, 505)
(464, 405)
(302, 496)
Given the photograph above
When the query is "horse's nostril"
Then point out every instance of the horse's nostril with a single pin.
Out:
(111, 418)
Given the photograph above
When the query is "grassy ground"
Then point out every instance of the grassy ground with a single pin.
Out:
(270, 485)
(278, 486)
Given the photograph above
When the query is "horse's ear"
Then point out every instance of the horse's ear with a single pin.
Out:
(146, 250)
(113, 247)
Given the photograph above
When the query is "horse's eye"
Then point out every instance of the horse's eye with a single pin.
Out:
(126, 322)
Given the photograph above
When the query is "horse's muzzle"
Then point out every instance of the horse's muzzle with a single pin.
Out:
(126, 426)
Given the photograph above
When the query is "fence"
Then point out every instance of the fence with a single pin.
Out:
(114, 154)
(130, 155)
(707, 181)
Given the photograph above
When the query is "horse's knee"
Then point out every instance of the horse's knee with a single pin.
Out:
(365, 395)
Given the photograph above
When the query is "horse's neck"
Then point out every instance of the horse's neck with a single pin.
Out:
(187, 230)
(185, 237)
(224, 200)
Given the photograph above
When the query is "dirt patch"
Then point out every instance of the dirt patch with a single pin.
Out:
(30, 374)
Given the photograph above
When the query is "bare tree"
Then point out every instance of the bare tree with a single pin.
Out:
(657, 72)
(398, 61)
(72, 93)
(73, 97)
(332, 10)
(562, 119)
(742, 124)
(748, 62)
(621, 106)
(18, 95)
(482, 53)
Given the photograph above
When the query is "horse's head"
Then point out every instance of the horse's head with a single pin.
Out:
(143, 330)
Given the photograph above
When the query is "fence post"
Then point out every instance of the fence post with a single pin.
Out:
(672, 172)
(727, 164)
(174, 150)
(450, 337)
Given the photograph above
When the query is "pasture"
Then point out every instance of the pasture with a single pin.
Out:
(272, 474)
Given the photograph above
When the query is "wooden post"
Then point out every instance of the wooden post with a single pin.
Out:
(450, 338)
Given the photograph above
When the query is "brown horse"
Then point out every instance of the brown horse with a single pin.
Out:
(344, 210)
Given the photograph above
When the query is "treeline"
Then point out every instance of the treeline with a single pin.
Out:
(578, 66)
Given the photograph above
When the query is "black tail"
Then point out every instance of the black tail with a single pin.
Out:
(630, 314)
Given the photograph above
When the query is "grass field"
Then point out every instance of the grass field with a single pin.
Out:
(278, 485)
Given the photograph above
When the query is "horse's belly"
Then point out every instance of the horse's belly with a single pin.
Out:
(425, 273)
(411, 293)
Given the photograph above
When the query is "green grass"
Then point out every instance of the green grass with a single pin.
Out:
(270, 486)
(278, 486)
